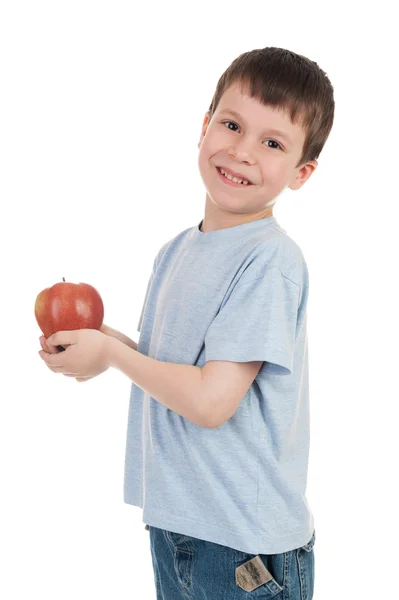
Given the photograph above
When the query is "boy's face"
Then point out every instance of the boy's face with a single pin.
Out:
(246, 145)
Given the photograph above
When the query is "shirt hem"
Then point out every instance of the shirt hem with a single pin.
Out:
(240, 540)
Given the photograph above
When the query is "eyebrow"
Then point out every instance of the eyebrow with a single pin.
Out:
(270, 130)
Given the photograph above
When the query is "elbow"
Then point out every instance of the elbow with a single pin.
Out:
(216, 415)
(213, 408)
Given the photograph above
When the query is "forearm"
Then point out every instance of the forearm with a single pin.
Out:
(118, 336)
(178, 387)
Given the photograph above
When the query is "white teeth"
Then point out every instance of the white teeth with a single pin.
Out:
(244, 181)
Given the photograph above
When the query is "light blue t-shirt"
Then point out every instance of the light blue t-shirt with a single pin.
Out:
(236, 294)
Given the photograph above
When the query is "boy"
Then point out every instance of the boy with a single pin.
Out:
(218, 429)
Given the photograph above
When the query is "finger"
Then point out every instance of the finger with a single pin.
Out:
(58, 370)
(55, 360)
(43, 343)
(63, 338)
(55, 349)
(47, 347)
(50, 362)
(77, 378)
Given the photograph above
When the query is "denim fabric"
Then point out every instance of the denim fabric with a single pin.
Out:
(187, 568)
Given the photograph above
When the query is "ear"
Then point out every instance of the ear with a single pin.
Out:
(204, 127)
(303, 174)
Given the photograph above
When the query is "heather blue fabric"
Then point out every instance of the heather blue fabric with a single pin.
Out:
(236, 294)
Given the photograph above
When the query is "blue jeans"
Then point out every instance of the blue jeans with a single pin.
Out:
(187, 568)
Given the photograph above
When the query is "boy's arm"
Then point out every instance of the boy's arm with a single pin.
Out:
(178, 387)
(207, 396)
(118, 336)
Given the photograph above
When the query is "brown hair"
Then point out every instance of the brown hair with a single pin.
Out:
(280, 78)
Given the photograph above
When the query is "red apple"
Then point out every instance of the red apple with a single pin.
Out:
(67, 306)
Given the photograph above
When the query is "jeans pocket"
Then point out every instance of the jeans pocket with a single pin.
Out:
(252, 574)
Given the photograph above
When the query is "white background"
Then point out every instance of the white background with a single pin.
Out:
(101, 108)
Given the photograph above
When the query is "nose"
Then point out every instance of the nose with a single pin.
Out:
(241, 152)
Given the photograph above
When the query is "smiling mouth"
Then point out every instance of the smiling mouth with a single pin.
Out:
(230, 179)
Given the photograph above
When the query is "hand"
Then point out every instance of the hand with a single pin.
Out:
(86, 354)
(47, 347)
(55, 350)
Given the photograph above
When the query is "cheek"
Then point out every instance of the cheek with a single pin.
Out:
(205, 154)
(275, 169)
(201, 159)
(212, 144)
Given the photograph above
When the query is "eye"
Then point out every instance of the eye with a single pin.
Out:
(228, 123)
(231, 123)
(274, 142)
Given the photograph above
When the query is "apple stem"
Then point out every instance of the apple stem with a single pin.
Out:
(63, 279)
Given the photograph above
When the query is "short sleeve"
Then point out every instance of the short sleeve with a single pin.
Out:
(145, 302)
(257, 322)
(154, 268)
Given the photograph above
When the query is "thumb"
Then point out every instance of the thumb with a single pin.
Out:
(61, 338)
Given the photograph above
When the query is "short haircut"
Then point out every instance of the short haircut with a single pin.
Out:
(287, 81)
